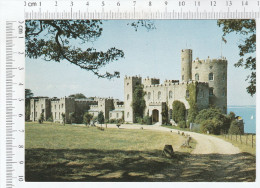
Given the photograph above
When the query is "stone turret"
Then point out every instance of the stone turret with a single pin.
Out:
(213, 71)
(129, 86)
(186, 64)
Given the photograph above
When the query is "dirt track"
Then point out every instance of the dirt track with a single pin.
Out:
(206, 144)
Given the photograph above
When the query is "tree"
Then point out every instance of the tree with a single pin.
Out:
(72, 117)
(247, 46)
(63, 118)
(28, 96)
(87, 118)
(138, 103)
(213, 120)
(57, 40)
(178, 111)
(78, 96)
(101, 118)
(236, 128)
(41, 119)
(165, 115)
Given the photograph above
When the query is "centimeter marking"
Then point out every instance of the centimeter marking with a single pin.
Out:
(14, 141)
(142, 9)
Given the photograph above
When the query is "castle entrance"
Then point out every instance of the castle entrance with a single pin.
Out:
(155, 116)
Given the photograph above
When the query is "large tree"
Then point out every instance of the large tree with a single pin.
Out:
(138, 103)
(247, 46)
(78, 96)
(58, 40)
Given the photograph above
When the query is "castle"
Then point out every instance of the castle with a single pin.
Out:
(209, 77)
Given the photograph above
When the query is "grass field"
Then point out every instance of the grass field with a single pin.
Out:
(74, 153)
(244, 143)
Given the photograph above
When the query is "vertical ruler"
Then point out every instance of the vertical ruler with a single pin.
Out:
(14, 102)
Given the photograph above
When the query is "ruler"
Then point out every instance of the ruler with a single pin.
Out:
(142, 9)
(13, 61)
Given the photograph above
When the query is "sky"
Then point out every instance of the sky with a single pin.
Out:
(154, 53)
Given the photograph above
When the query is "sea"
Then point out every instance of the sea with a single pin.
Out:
(248, 113)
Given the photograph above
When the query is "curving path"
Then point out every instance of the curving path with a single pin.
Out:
(206, 144)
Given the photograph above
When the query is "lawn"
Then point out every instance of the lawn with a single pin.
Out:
(78, 153)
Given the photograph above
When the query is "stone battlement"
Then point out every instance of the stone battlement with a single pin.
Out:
(220, 60)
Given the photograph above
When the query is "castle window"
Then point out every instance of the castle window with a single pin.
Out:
(127, 97)
(224, 76)
(197, 77)
(211, 91)
(42, 105)
(128, 114)
(196, 67)
(55, 115)
(61, 105)
(170, 94)
(149, 95)
(159, 95)
(36, 114)
(55, 106)
(211, 67)
(187, 94)
(223, 92)
(127, 84)
(32, 113)
(182, 77)
(59, 115)
(211, 76)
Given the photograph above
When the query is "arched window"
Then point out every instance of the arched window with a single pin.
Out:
(159, 95)
(149, 95)
(197, 77)
(187, 94)
(211, 76)
(170, 94)
(127, 97)
(211, 91)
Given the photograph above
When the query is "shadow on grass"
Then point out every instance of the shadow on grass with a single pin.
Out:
(142, 166)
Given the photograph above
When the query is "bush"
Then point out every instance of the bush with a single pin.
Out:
(182, 124)
(178, 111)
(213, 126)
(236, 128)
(87, 118)
(212, 120)
(147, 120)
(101, 118)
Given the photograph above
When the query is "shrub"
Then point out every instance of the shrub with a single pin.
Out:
(101, 118)
(178, 111)
(213, 118)
(213, 126)
(87, 118)
(182, 124)
(147, 120)
(138, 103)
(165, 115)
(41, 119)
(236, 128)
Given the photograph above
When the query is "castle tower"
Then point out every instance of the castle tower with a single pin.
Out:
(129, 85)
(214, 72)
(186, 63)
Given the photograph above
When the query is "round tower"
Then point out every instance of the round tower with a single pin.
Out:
(186, 62)
(214, 72)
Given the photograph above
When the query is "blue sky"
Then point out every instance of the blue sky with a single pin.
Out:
(153, 53)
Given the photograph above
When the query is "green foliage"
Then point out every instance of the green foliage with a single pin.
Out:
(182, 124)
(212, 120)
(165, 115)
(247, 30)
(138, 103)
(41, 119)
(50, 119)
(236, 128)
(58, 40)
(101, 118)
(78, 96)
(63, 118)
(72, 117)
(28, 96)
(87, 118)
(192, 100)
(178, 111)
(147, 120)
